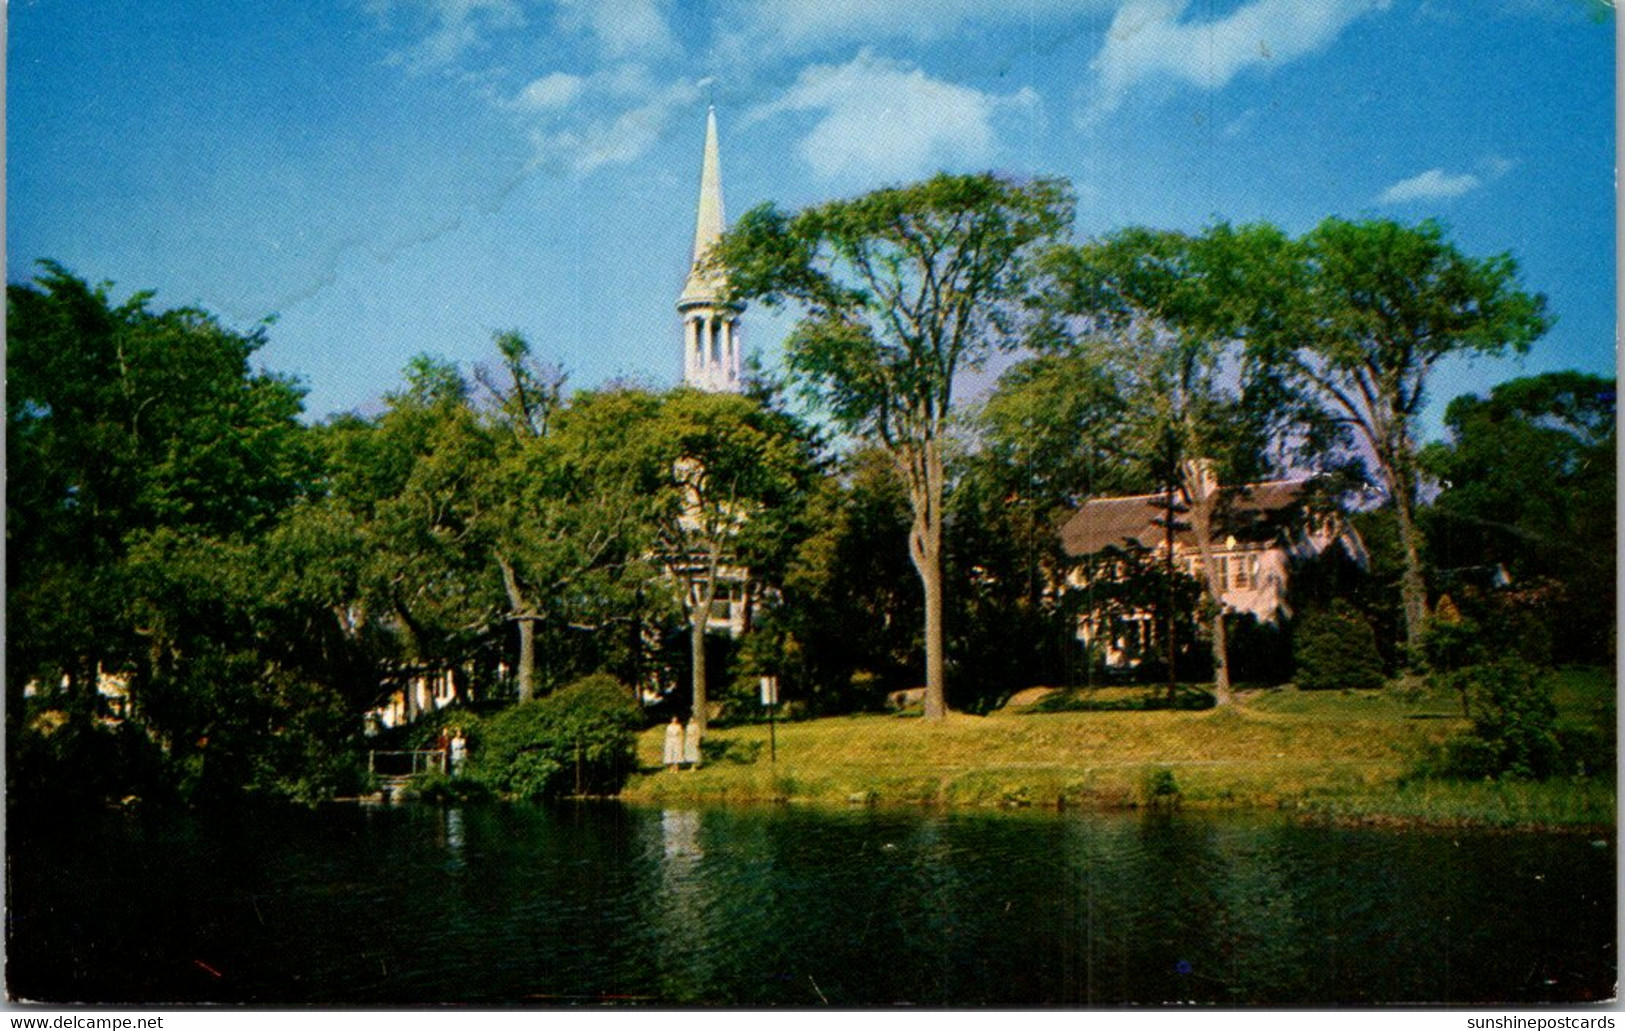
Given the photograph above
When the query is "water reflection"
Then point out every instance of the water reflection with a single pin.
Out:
(680, 836)
(519, 904)
(454, 838)
(683, 910)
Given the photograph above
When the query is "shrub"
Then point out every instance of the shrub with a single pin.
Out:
(438, 787)
(581, 739)
(1451, 641)
(1335, 649)
(1514, 725)
(1260, 653)
(1161, 789)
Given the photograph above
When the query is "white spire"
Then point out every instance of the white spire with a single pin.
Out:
(709, 224)
(710, 328)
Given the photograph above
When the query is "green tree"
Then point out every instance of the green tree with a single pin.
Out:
(1361, 314)
(728, 476)
(1145, 305)
(849, 627)
(147, 463)
(901, 289)
(572, 522)
(1528, 482)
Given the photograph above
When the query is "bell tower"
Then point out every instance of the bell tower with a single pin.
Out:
(710, 325)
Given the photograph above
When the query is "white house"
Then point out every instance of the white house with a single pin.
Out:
(1263, 533)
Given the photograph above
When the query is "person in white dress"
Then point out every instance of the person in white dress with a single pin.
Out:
(691, 745)
(673, 756)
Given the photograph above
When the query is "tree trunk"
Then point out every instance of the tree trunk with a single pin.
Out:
(924, 481)
(696, 638)
(1170, 641)
(1412, 586)
(1203, 489)
(936, 705)
(527, 659)
(519, 611)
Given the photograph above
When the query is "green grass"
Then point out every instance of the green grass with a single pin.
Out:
(1341, 755)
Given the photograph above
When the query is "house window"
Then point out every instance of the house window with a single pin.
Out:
(1245, 571)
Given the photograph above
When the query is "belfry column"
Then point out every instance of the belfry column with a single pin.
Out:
(710, 354)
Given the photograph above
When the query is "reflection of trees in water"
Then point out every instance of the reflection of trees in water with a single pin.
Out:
(1269, 948)
(683, 910)
(933, 893)
(454, 838)
(1105, 927)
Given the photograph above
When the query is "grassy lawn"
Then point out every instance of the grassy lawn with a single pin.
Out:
(1341, 754)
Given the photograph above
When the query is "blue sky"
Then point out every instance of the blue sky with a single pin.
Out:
(390, 177)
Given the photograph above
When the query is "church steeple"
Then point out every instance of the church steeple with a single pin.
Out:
(710, 327)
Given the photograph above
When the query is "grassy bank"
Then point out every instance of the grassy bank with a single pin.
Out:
(1341, 755)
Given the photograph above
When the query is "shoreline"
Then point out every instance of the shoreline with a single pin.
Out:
(1341, 757)
(1457, 809)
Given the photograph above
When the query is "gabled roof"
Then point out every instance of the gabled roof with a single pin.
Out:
(1251, 513)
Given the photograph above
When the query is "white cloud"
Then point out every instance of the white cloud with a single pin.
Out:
(798, 25)
(883, 119)
(1434, 184)
(621, 27)
(454, 27)
(551, 92)
(1149, 40)
(610, 137)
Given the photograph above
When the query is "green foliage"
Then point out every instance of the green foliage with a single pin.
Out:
(1334, 649)
(1161, 788)
(1450, 640)
(426, 731)
(1514, 732)
(578, 740)
(1260, 652)
(1529, 482)
(902, 289)
(1358, 315)
(435, 786)
(1124, 583)
(848, 629)
(1053, 430)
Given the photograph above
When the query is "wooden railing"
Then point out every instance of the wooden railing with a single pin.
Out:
(420, 761)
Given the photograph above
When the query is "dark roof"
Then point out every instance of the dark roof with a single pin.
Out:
(1106, 522)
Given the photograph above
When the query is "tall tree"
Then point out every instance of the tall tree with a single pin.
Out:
(1195, 418)
(1528, 481)
(902, 289)
(850, 626)
(570, 532)
(1362, 313)
(121, 422)
(729, 474)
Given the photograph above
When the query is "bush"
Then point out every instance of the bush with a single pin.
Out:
(438, 787)
(1335, 649)
(581, 739)
(1161, 789)
(1451, 641)
(1260, 653)
(1514, 725)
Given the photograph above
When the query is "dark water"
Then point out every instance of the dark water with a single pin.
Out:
(518, 905)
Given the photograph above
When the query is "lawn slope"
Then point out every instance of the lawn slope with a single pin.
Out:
(1343, 755)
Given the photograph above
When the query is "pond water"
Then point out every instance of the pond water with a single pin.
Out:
(527, 905)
